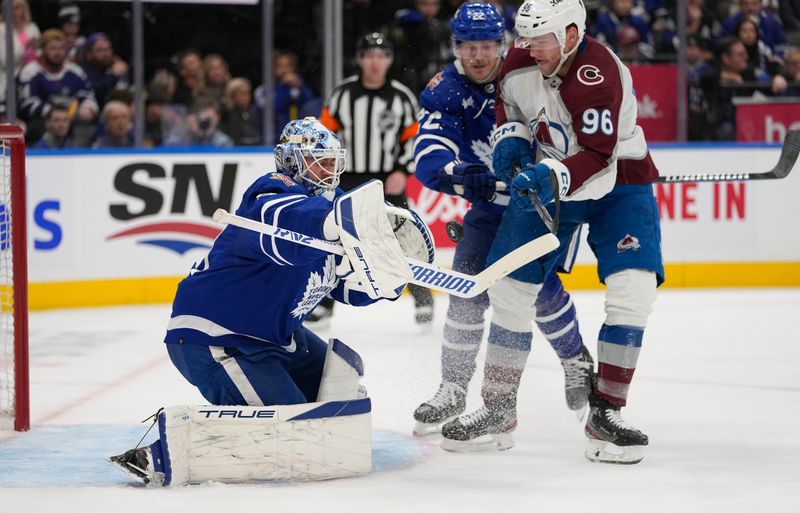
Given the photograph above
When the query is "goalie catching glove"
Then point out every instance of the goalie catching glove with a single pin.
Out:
(413, 234)
(359, 222)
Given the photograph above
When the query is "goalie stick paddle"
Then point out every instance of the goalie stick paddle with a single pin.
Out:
(787, 160)
(424, 274)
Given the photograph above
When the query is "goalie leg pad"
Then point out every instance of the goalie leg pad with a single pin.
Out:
(235, 444)
(341, 373)
(368, 241)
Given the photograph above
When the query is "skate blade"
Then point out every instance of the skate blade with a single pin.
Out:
(423, 429)
(485, 443)
(129, 471)
(431, 428)
(600, 451)
(580, 413)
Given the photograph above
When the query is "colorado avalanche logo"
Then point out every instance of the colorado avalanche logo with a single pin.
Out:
(550, 136)
(628, 242)
(590, 75)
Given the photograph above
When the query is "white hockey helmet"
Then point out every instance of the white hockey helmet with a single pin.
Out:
(540, 17)
(304, 143)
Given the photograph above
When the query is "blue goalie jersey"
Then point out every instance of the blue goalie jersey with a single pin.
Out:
(252, 288)
(455, 123)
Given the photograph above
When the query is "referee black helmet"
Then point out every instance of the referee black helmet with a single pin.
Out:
(374, 41)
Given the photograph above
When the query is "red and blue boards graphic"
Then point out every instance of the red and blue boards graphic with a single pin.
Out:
(177, 236)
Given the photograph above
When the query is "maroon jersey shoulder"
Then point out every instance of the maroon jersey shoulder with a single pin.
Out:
(516, 59)
(593, 79)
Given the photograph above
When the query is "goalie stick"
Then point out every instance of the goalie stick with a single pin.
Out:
(424, 274)
(787, 160)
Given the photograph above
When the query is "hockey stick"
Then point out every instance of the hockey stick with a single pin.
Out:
(789, 153)
(551, 222)
(427, 275)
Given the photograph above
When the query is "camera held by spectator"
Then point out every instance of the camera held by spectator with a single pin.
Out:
(202, 122)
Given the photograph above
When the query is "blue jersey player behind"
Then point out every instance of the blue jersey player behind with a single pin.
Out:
(453, 155)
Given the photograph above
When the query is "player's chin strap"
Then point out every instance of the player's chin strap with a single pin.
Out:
(564, 57)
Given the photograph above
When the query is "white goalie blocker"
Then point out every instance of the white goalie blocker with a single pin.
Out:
(369, 242)
(327, 439)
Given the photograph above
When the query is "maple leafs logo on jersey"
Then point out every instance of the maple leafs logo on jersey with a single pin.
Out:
(317, 288)
(483, 151)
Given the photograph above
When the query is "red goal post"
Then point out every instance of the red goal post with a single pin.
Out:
(14, 389)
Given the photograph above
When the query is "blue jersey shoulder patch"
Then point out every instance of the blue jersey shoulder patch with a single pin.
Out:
(288, 181)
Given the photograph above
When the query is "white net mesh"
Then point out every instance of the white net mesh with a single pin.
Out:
(7, 383)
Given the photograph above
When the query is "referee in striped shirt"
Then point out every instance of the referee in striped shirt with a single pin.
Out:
(376, 119)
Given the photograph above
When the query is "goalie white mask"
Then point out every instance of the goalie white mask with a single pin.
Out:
(310, 153)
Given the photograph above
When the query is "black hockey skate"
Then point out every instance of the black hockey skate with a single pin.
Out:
(320, 318)
(486, 429)
(578, 381)
(611, 439)
(449, 401)
(138, 464)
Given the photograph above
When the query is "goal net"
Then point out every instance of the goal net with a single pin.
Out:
(14, 408)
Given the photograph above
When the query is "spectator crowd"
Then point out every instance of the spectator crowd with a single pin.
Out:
(74, 90)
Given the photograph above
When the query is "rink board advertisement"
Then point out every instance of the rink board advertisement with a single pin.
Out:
(117, 228)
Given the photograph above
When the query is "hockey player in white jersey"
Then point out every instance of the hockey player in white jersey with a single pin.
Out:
(453, 156)
(236, 329)
(575, 99)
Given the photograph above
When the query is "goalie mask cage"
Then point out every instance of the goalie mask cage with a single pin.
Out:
(14, 404)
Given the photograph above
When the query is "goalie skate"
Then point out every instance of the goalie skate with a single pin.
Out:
(611, 439)
(578, 380)
(448, 402)
(320, 318)
(138, 463)
(486, 429)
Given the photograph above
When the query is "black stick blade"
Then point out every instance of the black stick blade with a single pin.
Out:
(787, 160)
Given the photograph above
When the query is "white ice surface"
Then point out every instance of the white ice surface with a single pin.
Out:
(717, 390)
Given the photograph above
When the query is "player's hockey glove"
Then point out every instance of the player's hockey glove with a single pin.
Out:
(511, 150)
(541, 180)
(473, 182)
